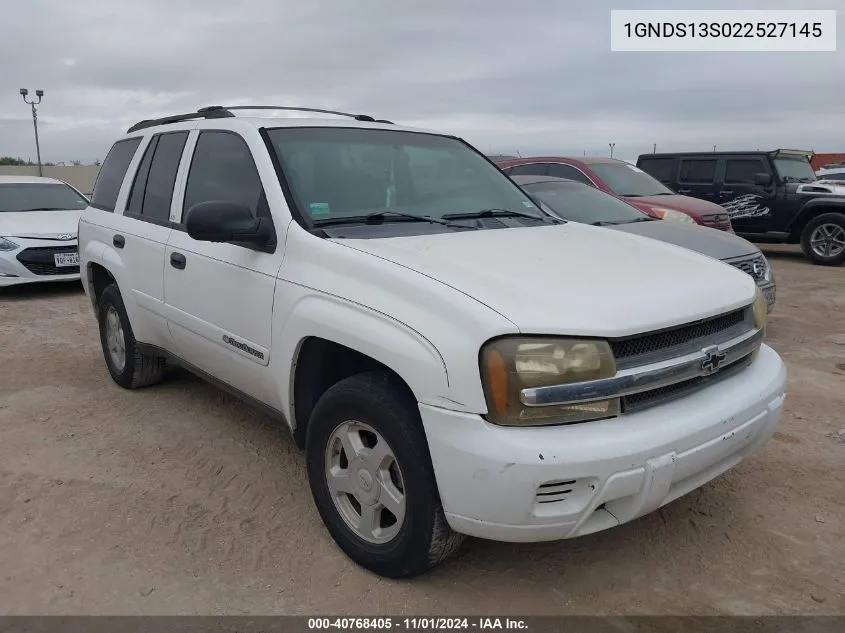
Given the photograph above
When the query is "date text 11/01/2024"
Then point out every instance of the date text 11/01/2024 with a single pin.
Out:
(415, 623)
(723, 29)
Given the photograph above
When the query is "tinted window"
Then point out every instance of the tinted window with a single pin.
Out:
(580, 203)
(698, 170)
(660, 168)
(112, 172)
(27, 196)
(624, 179)
(337, 173)
(139, 185)
(223, 169)
(742, 170)
(532, 169)
(162, 176)
(559, 170)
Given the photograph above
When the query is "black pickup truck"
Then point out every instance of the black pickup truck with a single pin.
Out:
(771, 197)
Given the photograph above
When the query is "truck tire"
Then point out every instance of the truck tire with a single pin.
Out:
(128, 366)
(372, 480)
(823, 239)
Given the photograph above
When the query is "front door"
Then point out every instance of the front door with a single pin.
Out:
(219, 296)
(750, 206)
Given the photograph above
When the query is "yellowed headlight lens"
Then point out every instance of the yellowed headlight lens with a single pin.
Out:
(510, 365)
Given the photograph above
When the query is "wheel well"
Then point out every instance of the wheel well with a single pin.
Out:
(806, 218)
(321, 364)
(98, 277)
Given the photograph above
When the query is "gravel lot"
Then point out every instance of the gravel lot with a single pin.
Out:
(180, 499)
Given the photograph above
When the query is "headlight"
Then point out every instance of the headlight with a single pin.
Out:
(509, 365)
(761, 310)
(671, 214)
(767, 272)
(7, 245)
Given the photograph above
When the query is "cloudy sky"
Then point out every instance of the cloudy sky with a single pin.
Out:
(528, 76)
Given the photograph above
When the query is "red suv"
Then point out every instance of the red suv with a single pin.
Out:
(625, 181)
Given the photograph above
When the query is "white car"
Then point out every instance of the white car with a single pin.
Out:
(452, 362)
(38, 225)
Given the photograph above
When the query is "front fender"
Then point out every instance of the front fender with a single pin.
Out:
(815, 207)
(379, 336)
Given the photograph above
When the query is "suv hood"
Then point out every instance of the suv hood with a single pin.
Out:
(686, 204)
(572, 278)
(822, 187)
(39, 224)
(711, 242)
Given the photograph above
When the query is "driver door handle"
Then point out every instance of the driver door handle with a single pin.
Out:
(684, 191)
(726, 192)
(177, 260)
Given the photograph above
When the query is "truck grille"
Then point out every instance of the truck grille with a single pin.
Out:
(39, 261)
(644, 399)
(642, 349)
(720, 221)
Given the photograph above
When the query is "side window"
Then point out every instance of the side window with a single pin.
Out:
(658, 168)
(559, 170)
(112, 172)
(152, 191)
(223, 169)
(531, 169)
(698, 170)
(742, 170)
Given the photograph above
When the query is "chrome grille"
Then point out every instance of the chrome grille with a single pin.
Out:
(721, 221)
(644, 399)
(643, 348)
(747, 265)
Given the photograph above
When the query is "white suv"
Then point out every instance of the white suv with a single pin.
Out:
(452, 361)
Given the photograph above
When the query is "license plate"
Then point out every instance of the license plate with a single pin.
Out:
(66, 259)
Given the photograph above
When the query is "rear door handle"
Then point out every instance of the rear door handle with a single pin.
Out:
(684, 191)
(726, 192)
(119, 241)
(177, 260)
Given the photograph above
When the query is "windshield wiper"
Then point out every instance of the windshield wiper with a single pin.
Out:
(380, 216)
(605, 223)
(44, 209)
(489, 213)
(645, 219)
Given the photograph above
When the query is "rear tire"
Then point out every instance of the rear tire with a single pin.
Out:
(366, 437)
(823, 239)
(128, 366)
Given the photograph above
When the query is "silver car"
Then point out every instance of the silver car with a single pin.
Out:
(577, 202)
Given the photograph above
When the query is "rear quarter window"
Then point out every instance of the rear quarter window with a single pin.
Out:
(112, 172)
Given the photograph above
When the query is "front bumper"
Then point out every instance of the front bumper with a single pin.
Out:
(551, 483)
(33, 262)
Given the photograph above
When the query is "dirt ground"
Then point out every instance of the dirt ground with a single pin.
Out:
(179, 499)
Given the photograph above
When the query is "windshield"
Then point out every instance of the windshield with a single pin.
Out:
(582, 203)
(338, 173)
(794, 169)
(26, 196)
(626, 180)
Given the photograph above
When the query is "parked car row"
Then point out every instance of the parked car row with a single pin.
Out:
(457, 355)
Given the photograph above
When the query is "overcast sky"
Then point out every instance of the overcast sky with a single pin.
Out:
(528, 76)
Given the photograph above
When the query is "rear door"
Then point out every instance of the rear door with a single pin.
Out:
(219, 296)
(748, 205)
(697, 177)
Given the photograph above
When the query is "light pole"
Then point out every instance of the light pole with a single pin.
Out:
(612, 145)
(33, 103)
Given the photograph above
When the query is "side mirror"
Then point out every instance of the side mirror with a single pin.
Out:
(225, 221)
(762, 179)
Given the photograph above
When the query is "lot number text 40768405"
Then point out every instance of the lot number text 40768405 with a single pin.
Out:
(427, 623)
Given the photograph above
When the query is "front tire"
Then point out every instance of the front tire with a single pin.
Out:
(823, 239)
(128, 366)
(372, 480)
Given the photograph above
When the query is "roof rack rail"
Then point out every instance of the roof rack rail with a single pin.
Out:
(222, 112)
(357, 117)
(176, 118)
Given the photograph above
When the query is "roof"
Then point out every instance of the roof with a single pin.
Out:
(30, 180)
(584, 160)
(220, 113)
